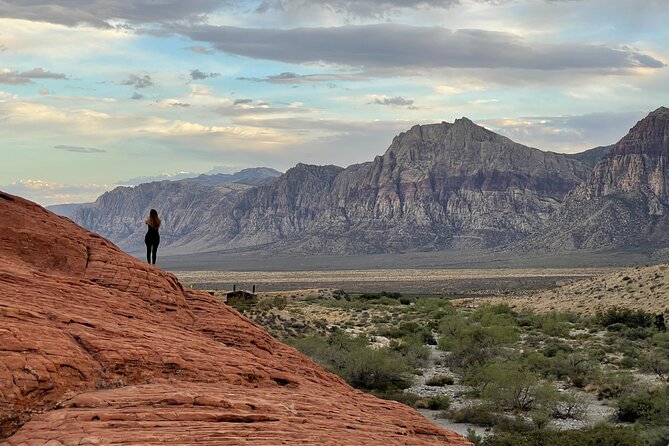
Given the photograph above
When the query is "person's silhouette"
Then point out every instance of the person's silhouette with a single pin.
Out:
(152, 237)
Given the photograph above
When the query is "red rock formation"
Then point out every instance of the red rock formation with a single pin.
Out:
(97, 347)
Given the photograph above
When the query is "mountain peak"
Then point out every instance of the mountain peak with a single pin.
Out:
(661, 111)
(465, 122)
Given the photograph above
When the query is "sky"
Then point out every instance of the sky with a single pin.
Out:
(98, 93)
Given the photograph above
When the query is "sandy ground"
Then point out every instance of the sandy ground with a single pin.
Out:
(407, 281)
(637, 288)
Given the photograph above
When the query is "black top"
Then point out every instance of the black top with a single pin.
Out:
(152, 236)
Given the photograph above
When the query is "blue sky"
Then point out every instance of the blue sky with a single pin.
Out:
(96, 92)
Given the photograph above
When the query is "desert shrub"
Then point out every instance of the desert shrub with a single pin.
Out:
(433, 308)
(508, 386)
(661, 339)
(409, 329)
(566, 405)
(555, 346)
(406, 398)
(361, 366)
(440, 381)
(406, 300)
(279, 302)
(644, 405)
(412, 349)
(480, 415)
(625, 316)
(613, 384)
(537, 363)
(390, 297)
(438, 402)
(576, 368)
(472, 345)
(600, 435)
(656, 361)
(489, 315)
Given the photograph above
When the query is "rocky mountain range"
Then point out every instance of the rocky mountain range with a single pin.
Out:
(624, 203)
(120, 213)
(439, 186)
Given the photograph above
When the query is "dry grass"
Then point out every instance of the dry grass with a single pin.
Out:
(637, 288)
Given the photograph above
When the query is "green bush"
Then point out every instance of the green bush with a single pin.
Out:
(412, 349)
(438, 402)
(600, 435)
(440, 381)
(625, 316)
(361, 366)
(480, 415)
(644, 405)
(613, 384)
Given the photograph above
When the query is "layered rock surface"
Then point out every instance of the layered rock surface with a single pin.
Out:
(98, 348)
(624, 203)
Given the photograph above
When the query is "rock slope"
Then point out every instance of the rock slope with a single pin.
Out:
(624, 203)
(99, 348)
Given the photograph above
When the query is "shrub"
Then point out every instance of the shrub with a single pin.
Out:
(361, 366)
(509, 386)
(438, 402)
(625, 316)
(440, 381)
(411, 348)
(644, 405)
(600, 435)
(480, 415)
(613, 384)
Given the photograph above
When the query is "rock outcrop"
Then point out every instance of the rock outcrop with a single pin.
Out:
(624, 203)
(99, 348)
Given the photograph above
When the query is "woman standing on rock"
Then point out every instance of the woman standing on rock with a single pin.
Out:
(152, 237)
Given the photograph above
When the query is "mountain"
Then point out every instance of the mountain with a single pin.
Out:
(624, 203)
(437, 186)
(100, 348)
(119, 214)
(253, 176)
(592, 156)
(67, 209)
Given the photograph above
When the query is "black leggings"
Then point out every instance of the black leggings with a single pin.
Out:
(151, 250)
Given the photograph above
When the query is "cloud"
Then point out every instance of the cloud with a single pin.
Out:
(100, 13)
(199, 49)
(14, 77)
(137, 81)
(243, 101)
(197, 75)
(362, 8)
(397, 101)
(3, 48)
(48, 193)
(78, 149)
(179, 104)
(567, 133)
(294, 78)
(393, 46)
(137, 96)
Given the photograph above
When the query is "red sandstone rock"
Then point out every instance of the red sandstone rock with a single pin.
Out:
(97, 347)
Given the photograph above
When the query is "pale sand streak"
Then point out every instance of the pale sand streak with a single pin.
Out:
(385, 275)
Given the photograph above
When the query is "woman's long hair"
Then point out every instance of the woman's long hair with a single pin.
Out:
(153, 219)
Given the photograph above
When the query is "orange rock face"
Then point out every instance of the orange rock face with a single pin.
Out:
(97, 347)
